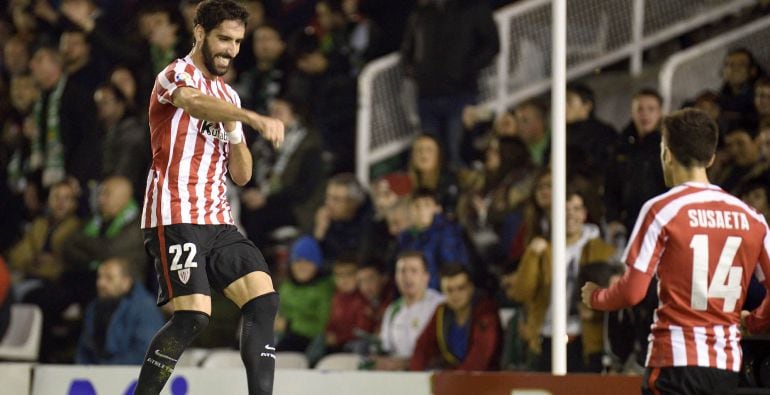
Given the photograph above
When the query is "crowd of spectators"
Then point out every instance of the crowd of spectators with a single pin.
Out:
(409, 272)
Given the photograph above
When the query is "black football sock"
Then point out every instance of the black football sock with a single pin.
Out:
(258, 342)
(166, 348)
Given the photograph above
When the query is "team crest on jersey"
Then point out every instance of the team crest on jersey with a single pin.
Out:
(184, 275)
(214, 130)
(183, 76)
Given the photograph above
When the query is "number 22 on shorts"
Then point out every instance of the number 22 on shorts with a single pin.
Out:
(177, 250)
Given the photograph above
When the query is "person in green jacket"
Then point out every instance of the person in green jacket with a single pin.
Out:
(305, 298)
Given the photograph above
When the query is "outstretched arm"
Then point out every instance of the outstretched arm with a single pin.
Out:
(627, 292)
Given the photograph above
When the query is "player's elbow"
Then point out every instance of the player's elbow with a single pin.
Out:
(240, 179)
(635, 296)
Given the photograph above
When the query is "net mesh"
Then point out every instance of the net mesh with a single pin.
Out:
(391, 120)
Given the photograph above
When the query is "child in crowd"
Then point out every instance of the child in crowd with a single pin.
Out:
(305, 298)
(347, 304)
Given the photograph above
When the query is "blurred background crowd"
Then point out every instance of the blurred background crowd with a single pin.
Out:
(411, 271)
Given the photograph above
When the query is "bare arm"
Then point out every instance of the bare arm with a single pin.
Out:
(212, 109)
(240, 162)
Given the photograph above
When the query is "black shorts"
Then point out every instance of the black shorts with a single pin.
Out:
(686, 380)
(192, 259)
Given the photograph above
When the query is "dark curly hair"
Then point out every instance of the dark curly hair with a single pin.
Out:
(211, 13)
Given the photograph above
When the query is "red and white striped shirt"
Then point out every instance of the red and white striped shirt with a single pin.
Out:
(704, 245)
(186, 182)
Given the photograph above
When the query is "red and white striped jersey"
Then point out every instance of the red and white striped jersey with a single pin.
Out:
(704, 245)
(186, 182)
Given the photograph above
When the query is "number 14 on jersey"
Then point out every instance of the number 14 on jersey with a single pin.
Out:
(726, 281)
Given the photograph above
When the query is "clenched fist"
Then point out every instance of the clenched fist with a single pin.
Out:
(270, 128)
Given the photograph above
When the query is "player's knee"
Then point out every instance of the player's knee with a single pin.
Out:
(192, 322)
(258, 318)
(262, 308)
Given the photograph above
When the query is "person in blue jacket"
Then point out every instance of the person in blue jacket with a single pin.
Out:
(439, 239)
(120, 323)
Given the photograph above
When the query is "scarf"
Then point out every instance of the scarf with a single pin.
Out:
(51, 158)
(294, 137)
(128, 214)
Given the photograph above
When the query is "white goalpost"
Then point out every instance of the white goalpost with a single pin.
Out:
(558, 188)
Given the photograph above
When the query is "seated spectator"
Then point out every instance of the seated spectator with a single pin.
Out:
(119, 325)
(306, 298)
(492, 193)
(736, 97)
(123, 79)
(481, 125)
(531, 285)
(288, 180)
(531, 219)
(39, 264)
(386, 193)
(377, 292)
(407, 316)
(267, 80)
(440, 240)
(532, 127)
(742, 161)
(762, 101)
(112, 231)
(428, 170)
(81, 64)
(708, 102)
(756, 193)
(16, 130)
(15, 58)
(65, 123)
(341, 222)
(347, 305)
(464, 333)
(126, 146)
(397, 219)
(37, 257)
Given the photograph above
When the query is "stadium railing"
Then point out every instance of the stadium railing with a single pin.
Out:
(698, 68)
(599, 33)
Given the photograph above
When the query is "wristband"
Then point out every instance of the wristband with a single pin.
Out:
(236, 136)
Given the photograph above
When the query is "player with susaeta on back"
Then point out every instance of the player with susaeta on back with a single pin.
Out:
(703, 244)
